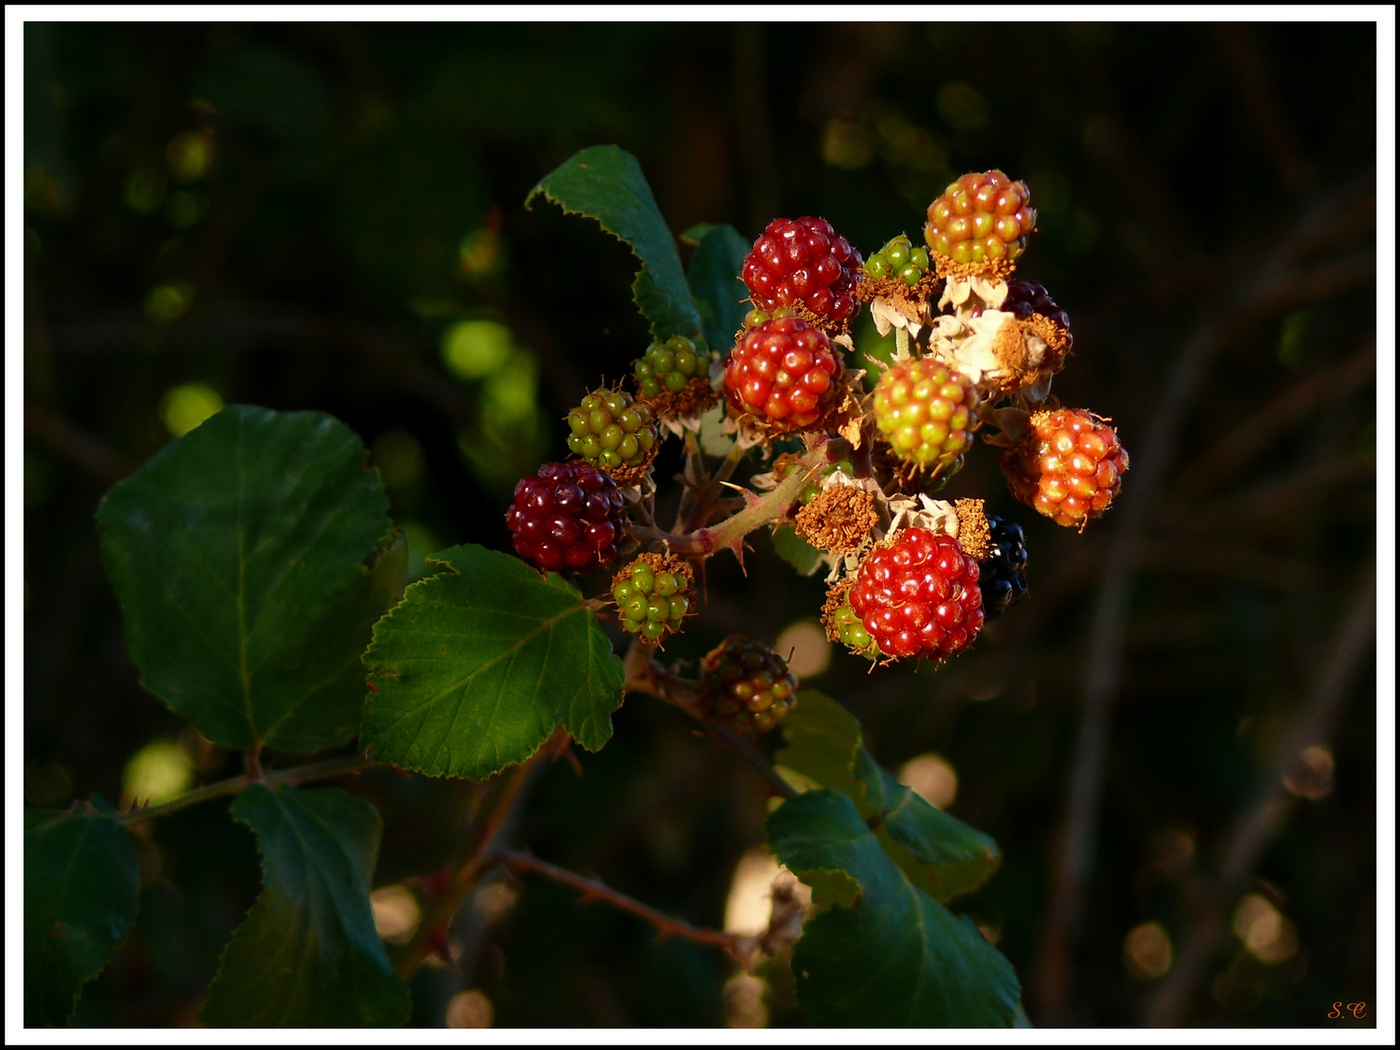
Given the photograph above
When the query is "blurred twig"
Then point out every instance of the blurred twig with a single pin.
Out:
(751, 112)
(593, 890)
(1261, 101)
(92, 454)
(1263, 816)
(1278, 284)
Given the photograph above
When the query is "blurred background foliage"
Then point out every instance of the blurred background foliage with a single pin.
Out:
(329, 217)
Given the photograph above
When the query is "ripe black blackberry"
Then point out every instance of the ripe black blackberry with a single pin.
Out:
(1003, 579)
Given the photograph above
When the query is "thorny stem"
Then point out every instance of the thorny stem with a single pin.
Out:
(593, 890)
(295, 775)
(730, 532)
(645, 675)
(706, 500)
(477, 852)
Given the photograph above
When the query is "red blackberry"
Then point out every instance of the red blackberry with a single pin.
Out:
(918, 596)
(803, 263)
(747, 685)
(979, 226)
(1003, 571)
(1069, 465)
(569, 516)
(783, 371)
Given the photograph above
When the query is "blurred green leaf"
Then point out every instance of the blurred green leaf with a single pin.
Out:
(937, 851)
(238, 553)
(894, 956)
(606, 183)
(796, 551)
(80, 898)
(714, 281)
(308, 954)
(477, 666)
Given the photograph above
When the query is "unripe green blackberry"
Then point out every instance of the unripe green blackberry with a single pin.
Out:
(653, 596)
(899, 260)
(613, 432)
(747, 685)
(844, 625)
(669, 366)
(924, 410)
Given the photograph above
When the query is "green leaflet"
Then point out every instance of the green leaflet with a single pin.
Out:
(937, 851)
(715, 284)
(796, 551)
(477, 665)
(308, 955)
(606, 183)
(892, 956)
(80, 898)
(239, 556)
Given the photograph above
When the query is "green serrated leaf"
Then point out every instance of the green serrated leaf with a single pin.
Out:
(477, 665)
(80, 898)
(796, 551)
(308, 955)
(239, 556)
(935, 849)
(606, 183)
(715, 284)
(894, 956)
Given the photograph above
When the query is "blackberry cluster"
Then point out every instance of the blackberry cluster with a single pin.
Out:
(804, 263)
(918, 596)
(653, 596)
(923, 409)
(612, 431)
(748, 686)
(569, 516)
(667, 367)
(980, 224)
(1003, 571)
(783, 371)
(899, 260)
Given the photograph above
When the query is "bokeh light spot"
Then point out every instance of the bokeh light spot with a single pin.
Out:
(184, 407)
(1147, 951)
(167, 302)
(189, 155)
(160, 771)
(473, 349)
(1311, 776)
(805, 648)
(470, 1009)
(1267, 934)
(144, 191)
(396, 913)
(932, 777)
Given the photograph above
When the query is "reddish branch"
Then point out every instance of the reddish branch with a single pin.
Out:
(593, 890)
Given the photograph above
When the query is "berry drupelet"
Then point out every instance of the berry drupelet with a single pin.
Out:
(569, 516)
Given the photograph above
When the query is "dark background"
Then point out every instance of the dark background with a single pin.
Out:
(298, 216)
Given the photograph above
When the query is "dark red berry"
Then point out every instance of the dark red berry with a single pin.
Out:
(569, 516)
(919, 596)
(1003, 570)
(784, 371)
(1069, 466)
(747, 685)
(803, 262)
